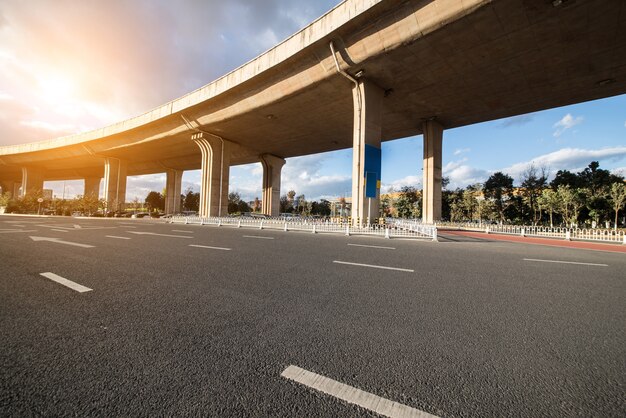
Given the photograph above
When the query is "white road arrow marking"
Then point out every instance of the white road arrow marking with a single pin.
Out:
(159, 235)
(60, 241)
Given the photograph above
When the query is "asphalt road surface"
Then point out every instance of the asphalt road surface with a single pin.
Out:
(204, 320)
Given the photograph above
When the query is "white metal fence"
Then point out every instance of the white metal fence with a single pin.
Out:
(393, 228)
(587, 234)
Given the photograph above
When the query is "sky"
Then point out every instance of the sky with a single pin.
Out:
(71, 66)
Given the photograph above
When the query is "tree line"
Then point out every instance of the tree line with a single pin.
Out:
(591, 197)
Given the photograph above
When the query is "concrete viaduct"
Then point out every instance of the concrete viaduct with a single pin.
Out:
(367, 71)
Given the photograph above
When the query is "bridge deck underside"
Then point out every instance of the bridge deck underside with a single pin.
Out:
(507, 58)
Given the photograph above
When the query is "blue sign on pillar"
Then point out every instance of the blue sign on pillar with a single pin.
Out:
(372, 169)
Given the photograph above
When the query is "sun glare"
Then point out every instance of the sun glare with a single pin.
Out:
(56, 88)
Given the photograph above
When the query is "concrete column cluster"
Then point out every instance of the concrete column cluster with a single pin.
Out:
(272, 167)
(431, 192)
(366, 153)
(32, 179)
(92, 186)
(10, 186)
(214, 174)
(173, 185)
(115, 183)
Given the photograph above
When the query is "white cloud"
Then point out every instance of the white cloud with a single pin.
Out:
(567, 122)
(572, 159)
(462, 175)
(396, 185)
(46, 126)
(460, 151)
(303, 174)
(619, 171)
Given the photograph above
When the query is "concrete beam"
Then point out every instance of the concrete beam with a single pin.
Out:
(115, 183)
(32, 179)
(431, 194)
(92, 186)
(366, 152)
(173, 185)
(272, 167)
(214, 174)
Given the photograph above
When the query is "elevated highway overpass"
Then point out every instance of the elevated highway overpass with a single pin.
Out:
(367, 71)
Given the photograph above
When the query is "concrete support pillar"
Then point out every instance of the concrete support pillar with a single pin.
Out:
(272, 167)
(366, 153)
(32, 179)
(173, 186)
(92, 186)
(215, 174)
(10, 186)
(431, 192)
(115, 183)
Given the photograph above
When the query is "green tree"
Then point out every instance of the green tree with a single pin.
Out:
(155, 201)
(300, 204)
(233, 202)
(291, 196)
(572, 200)
(499, 188)
(320, 208)
(408, 204)
(285, 207)
(191, 200)
(618, 198)
(549, 200)
(533, 182)
(565, 178)
(5, 198)
(469, 202)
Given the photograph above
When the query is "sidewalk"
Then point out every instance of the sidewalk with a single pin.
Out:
(586, 245)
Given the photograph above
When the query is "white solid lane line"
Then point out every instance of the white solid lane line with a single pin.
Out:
(373, 266)
(68, 283)
(565, 262)
(257, 236)
(158, 235)
(58, 230)
(351, 394)
(180, 230)
(211, 248)
(9, 231)
(372, 246)
(116, 237)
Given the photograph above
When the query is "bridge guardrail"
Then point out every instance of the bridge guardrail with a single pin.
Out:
(583, 234)
(390, 230)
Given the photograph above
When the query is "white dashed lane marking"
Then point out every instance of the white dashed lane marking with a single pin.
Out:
(565, 262)
(116, 237)
(65, 282)
(210, 248)
(373, 266)
(257, 236)
(158, 235)
(352, 395)
(372, 246)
